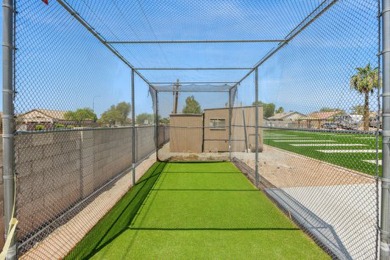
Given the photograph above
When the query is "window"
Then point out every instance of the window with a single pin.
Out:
(217, 123)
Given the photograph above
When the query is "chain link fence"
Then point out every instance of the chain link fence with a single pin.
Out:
(289, 91)
(73, 122)
(322, 145)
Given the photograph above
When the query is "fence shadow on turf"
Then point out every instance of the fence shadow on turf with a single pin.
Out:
(322, 232)
(313, 224)
(117, 220)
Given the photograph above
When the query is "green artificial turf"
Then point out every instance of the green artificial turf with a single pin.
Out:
(196, 211)
(354, 161)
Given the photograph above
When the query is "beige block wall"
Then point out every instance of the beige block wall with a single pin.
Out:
(145, 140)
(48, 168)
(109, 153)
(56, 170)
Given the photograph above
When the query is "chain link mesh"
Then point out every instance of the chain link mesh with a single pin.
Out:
(73, 126)
(317, 148)
(320, 156)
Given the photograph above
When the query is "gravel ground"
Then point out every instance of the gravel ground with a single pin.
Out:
(286, 169)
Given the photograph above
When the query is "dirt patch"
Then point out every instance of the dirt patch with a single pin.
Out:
(286, 169)
(164, 154)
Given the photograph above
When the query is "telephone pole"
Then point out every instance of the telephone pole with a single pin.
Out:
(175, 96)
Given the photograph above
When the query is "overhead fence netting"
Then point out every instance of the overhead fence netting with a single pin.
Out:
(146, 32)
(195, 68)
(195, 55)
(194, 79)
(148, 20)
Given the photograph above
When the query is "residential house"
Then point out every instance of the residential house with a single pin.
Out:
(45, 118)
(285, 119)
(317, 119)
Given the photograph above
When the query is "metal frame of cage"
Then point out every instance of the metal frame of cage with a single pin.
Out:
(8, 99)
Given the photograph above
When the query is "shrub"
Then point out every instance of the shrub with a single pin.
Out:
(59, 126)
(40, 127)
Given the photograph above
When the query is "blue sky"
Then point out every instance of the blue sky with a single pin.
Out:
(61, 66)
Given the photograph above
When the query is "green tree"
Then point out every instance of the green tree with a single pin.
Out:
(328, 109)
(164, 121)
(192, 106)
(365, 81)
(145, 119)
(111, 116)
(280, 110)
(116, 114)
(357, 110)
(81, 115)
(124, 111)
(268, 109)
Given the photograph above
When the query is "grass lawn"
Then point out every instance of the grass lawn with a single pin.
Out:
(196, 211)
(354, 161)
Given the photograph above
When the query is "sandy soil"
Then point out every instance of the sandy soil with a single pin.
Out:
(165, 155)
(63, 239)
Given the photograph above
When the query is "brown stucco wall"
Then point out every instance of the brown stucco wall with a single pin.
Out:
(194, 133)
(217, 140)
(186, 133)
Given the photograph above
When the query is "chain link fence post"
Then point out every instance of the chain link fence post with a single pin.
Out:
(257, 126)
(230, 124)
(8, 123)
(385, 219)
(133, 149)
(156, 131)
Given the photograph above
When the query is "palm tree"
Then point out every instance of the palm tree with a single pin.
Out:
(365, 81)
